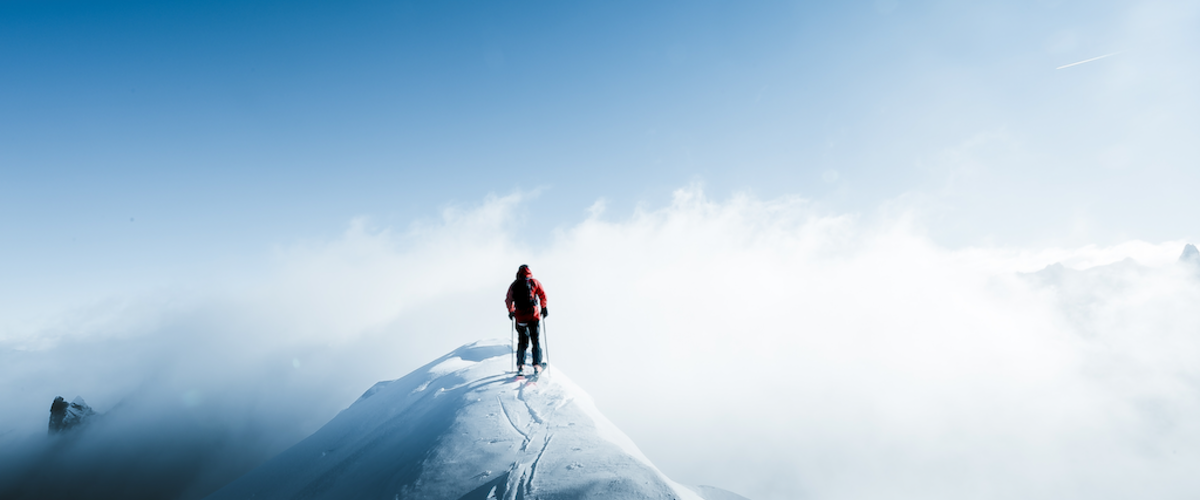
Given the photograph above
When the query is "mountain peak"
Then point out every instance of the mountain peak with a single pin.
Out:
(462, 427)
(64, 415)
(1190, 254)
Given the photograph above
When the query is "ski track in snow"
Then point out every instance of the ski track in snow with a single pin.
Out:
(508, 417)
(533, 413)
(522, 473)
(533, 466)
(363, 451)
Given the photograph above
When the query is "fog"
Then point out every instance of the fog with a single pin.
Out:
(770, 347)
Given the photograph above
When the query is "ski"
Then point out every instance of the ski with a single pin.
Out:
(536, 374)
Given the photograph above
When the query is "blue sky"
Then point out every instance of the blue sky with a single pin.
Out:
(224, 128)
(195, 185)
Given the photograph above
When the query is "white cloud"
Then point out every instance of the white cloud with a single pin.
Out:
(758, 345)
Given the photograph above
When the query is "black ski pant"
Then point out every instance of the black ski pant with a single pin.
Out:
(525, 333)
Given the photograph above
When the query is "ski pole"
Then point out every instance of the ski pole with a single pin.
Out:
(513, 345)
(546, 340)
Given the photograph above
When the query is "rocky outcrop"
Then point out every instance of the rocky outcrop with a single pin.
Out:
(64, 415)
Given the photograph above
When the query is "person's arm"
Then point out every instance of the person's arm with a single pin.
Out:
(508, 303)
(541, 293)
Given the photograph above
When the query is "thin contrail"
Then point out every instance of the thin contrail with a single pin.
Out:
(1089, 60)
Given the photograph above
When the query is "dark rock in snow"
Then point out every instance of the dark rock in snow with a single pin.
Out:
(64, 416)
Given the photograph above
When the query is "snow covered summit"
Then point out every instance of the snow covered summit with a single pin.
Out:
(462, 428)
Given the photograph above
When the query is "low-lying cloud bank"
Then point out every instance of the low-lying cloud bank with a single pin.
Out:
(761, 346)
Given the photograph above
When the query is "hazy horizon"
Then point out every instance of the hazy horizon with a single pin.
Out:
(795, 250)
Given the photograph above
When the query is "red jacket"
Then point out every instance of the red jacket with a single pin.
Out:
(538, 292)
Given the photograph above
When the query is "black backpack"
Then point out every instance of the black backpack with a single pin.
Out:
(522, 294)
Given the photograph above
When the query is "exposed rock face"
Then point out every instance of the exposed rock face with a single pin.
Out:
(65, 415)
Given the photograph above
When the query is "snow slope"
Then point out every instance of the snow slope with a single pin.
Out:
(462, 428)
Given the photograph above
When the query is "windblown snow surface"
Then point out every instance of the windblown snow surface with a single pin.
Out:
(463, 428)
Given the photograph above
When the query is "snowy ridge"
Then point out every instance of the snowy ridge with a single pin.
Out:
(462, 428)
